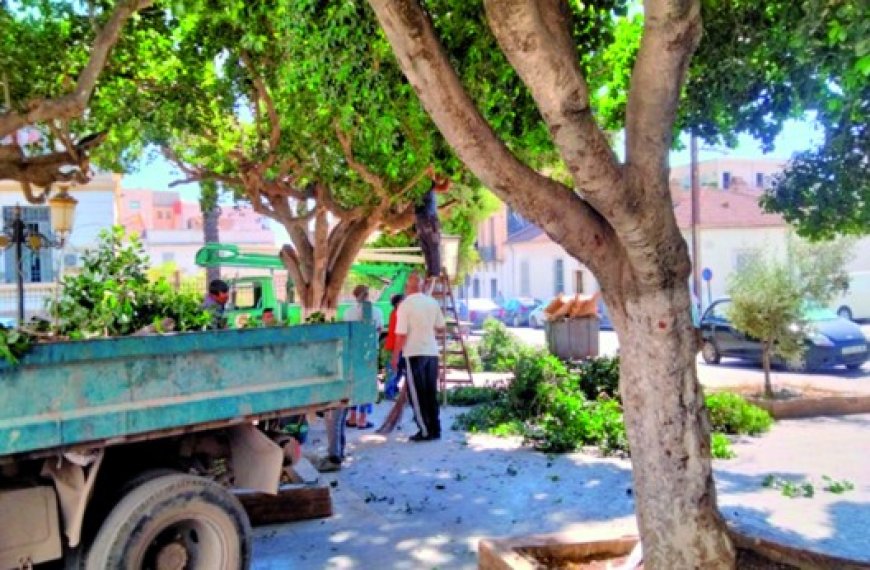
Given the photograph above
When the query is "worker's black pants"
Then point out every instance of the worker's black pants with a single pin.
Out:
(423, 390)
(429, 235)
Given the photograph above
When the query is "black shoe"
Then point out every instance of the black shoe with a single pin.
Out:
(420, 437)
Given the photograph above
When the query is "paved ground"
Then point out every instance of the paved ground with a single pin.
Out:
(414, 506)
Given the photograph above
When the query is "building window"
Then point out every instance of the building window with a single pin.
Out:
(559, 277)
(578, 282)
(493, 288)
(759, 180)
(524, 279)
(134, 205)
(475, 288)
(247, 295)
(726, 180)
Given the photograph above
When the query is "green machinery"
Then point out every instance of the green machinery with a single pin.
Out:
(250, 295)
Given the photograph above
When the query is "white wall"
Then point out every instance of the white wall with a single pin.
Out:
(722, 249)
(541, 256)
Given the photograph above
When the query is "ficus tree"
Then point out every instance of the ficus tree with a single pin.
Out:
(616, 218)
(290, 107)
(615, 215)
(51, 57)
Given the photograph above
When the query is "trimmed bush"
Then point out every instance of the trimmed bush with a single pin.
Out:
(731, 414)
(720, 446)
(498, 348)
(534, 370)
(599, 376)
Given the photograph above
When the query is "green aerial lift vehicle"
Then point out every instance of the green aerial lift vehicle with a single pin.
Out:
(250, 295)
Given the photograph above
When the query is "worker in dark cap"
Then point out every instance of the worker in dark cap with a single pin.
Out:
(216, 302)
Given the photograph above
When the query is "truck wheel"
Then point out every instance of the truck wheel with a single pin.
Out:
(174, 522)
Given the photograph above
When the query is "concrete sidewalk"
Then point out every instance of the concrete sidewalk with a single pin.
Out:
(425, 505)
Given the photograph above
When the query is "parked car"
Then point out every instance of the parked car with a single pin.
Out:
(517, 311)
(536, 316)
(855, 303)
(830, 340)
(478, 310)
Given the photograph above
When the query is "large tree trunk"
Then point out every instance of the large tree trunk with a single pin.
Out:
(668, 431)
(319, 263)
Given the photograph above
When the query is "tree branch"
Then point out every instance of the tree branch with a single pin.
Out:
(671, 32)
(353, 242)
(544, 201)
(378, 183)
(196, 174)
(414, 181)
(261, 94)
(73, 104)
(549, 66)
(291, 261)
(324, 196)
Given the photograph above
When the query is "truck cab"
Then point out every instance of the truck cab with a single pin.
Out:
(250, 296)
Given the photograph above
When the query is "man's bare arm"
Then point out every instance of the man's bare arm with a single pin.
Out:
(397, 348)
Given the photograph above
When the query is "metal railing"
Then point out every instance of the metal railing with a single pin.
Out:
(36, 297)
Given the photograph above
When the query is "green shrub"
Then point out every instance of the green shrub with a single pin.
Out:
(572, 422)
(473, 395)
(534, 368)
(731, 414)
(720, 446)
(599, 376)
(498, 348)
(457, 361)
(112, 295)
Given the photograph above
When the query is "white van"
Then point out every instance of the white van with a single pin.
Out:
(855, 304)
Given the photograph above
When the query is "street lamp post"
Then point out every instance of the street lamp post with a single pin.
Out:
(62, 207)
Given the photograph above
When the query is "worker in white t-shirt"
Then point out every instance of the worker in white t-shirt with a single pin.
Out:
(419, 320)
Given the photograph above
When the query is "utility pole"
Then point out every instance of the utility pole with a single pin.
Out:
(696, 217)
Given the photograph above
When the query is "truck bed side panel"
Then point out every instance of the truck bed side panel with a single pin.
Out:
(70, 393)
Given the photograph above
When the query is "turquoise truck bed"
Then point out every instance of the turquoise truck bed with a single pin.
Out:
(112, 390)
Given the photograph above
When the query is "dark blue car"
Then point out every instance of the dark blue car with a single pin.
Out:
(830, 340)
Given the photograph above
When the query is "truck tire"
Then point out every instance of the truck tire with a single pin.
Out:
(174, 522)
